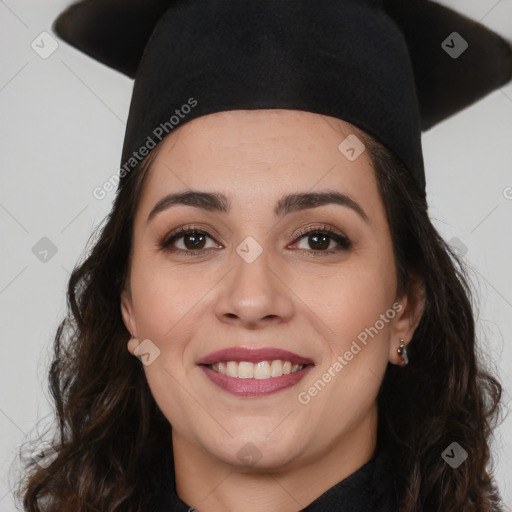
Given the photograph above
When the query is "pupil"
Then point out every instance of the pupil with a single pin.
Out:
(198, 239)
(321, 245)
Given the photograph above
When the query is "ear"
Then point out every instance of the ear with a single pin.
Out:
(408, 317)
(127, 312)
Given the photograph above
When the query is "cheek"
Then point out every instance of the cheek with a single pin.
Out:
(165, 302)
(352, 298)
(163, 296)
(356, 306)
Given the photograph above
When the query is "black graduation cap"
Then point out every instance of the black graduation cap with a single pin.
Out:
(390, 67)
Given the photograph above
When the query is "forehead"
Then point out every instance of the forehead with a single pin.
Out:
(256, 155)
(281, 135)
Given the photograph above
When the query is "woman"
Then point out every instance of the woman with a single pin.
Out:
(268, 319)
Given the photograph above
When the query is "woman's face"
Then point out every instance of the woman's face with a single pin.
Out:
(261, 275)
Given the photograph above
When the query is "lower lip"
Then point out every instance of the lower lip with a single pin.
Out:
(255, 387)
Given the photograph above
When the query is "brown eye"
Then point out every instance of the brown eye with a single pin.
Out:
(320, 240)
(192, 240)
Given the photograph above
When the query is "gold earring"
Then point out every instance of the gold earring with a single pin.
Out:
(402, 350)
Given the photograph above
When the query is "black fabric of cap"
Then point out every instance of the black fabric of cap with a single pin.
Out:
(390, 67)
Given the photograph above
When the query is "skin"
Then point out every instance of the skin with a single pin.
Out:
(293, 296)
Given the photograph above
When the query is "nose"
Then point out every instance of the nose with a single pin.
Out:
(255, 294)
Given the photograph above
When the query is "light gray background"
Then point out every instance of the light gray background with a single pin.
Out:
(62, 126)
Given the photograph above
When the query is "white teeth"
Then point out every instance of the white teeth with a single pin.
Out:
(220, 367)
(259, 370)
(232, 369)
(262, 370)
(276, 368)
(245, 370)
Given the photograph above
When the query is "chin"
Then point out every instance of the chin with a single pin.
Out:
(257, 451)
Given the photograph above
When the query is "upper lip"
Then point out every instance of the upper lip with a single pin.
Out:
(253, 356)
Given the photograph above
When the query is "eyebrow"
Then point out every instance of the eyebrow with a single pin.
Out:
(216, 202)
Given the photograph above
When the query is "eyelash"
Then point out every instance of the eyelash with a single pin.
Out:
(342, 240)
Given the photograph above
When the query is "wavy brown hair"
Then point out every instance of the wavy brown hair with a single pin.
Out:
(113, 443)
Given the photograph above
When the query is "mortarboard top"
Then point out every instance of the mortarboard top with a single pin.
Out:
(393, 68)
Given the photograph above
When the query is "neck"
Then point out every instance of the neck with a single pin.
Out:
(208, 484)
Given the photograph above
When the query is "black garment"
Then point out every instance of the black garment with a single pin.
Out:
(368, 489)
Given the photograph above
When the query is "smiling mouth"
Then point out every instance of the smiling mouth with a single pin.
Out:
(259, 370)
(255, 380)
(254, 372)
